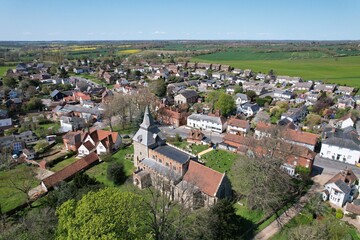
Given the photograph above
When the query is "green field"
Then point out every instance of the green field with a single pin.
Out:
(3, 69)
(310, 65)
(63, 164)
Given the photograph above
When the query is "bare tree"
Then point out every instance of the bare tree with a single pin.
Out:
(23, 184)
(260, 174)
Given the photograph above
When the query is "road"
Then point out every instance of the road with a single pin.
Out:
(183, 131)
(327, 166)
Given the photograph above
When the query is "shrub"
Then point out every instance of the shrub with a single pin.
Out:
(339, 214)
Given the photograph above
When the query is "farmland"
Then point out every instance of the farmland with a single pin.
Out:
(129, 51)
(3, 69)
(310, 65)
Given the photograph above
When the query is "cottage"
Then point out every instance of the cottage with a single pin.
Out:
(238, 126)
(71, 123)
(248, 109)
(345, 102)
(341, 188)
(295, 114)
(241, 98)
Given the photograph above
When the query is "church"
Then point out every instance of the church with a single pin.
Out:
(174, 171)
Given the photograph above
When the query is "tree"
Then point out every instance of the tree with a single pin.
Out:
(40, 146)
(316, 206)
(53, 70)
(251, 94)
(238, 89)
(63, 73)
(224, 223)
(260, 173)
(33, 104)
(9, 82)
(116, 173)
(106, 214)
(159, 87)
(212, 97)
(226, 104)
(312, 120)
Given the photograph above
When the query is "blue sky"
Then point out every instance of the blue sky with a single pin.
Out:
(181, 19)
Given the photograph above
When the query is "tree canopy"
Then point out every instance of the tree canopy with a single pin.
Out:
(106, 214)
(226, 104)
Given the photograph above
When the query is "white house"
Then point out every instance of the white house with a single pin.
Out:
(86, 148)
(344, 122)
(248, 109)
(340, 188)
(236, 126)
(207, 122)
(241, 98)
(341, 145)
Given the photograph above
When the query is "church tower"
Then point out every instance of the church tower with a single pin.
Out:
(147, 137)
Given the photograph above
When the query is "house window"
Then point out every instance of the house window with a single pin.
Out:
(328, 152)
(349, 157)
(167, 164)
(335, 193)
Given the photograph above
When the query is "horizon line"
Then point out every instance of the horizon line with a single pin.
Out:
(147, 40)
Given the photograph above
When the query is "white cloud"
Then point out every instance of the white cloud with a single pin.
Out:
(27, 33)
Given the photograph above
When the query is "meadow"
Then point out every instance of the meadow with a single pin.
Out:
(310, 65)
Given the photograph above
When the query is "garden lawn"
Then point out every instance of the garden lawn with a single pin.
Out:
(251, 215)
(9, 196)
(219, 160)
(64, 163)
(100, 171)
(47, 129)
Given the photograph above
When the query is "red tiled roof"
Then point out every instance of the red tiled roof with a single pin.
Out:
(89, 146)
(207, 179)
(301, 137)
(264, 127)
(69, 171)
(238, 123)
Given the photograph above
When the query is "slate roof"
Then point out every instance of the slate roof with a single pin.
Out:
(207, 118)
(342, 186)
(54, 93)
(189, 93)
(173, 153)
(343, 139)
(160, 168)
(241, 96)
